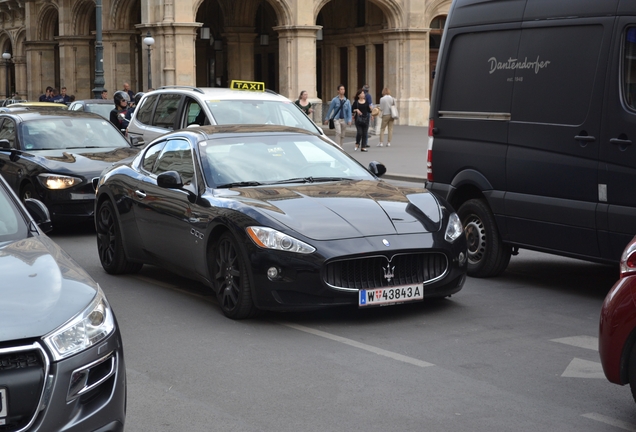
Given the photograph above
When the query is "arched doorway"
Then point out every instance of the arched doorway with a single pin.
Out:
(211, 62)
(8, 69)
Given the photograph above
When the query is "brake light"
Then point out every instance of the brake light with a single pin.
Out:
(429, 153)
(628, 260)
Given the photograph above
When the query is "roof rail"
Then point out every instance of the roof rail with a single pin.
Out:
(270, 91)
(196, 89)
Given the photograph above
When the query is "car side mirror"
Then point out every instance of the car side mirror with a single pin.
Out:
(377, 168)
(5, 144)
(39, 213)
(170, 180)
(137, 141)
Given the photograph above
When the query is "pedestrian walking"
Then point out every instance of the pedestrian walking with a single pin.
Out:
(362, 113)
(386, 102)
(339, 114)
(303, 103)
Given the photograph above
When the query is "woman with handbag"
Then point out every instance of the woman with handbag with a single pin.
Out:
(389, 114)
(362, 112)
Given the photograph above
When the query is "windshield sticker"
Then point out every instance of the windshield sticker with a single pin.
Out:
(511, 63)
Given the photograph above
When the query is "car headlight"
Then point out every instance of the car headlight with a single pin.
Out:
(88, 328)
(454, 229)
(269, 238)
(56, 182)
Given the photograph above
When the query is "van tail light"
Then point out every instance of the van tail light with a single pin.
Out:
(429, 153)
(628, 260)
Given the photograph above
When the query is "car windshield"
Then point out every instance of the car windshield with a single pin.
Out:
(276, 159)
(12, 224)
(101, 109)
(55, 133)
(260, 112)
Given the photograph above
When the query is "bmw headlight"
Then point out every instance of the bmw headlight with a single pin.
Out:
(87, 329)
(454, 229)
(269, 238)
(56, 182)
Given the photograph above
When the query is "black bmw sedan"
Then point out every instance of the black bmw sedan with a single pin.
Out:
(61, 356)
(276, 218)
(57, 157)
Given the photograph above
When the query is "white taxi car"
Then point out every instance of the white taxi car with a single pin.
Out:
(246, 102)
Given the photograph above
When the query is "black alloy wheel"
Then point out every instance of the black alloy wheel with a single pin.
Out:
(28, 191)
(231, 277)
(487, 254)
(631, 371)
(109, 242)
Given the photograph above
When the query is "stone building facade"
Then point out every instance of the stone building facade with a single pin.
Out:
(291, 45)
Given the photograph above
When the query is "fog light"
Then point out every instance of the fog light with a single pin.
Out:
(461, 258)
(272, 273)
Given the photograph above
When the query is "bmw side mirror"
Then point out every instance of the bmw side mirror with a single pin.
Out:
(5, 144)
(170, 180)
(39, 213)
(377, 168)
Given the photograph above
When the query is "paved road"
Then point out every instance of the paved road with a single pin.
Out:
(516, 352)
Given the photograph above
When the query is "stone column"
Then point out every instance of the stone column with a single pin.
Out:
(408, 80)
(75, 65)
(21, 76)
(240, 52)
(119, 59)
(41, 71)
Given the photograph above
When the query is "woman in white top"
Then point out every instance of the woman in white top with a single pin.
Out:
(387, 120)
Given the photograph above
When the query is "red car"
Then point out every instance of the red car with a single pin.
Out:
(617, 330)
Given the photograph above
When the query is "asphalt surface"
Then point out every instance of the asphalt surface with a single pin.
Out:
(405, 159)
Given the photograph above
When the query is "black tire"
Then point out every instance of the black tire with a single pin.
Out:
(487, 254)
(27, 191)
(231, 277)
(109, 242)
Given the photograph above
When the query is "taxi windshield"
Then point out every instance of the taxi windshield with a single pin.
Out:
(260, 112)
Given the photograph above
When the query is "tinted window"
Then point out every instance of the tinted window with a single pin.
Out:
(629, 68)
(176, 156)
(472, 80)
(144, 112)
(7, 131)
(151, 156)
(553, 87)
(166, 111)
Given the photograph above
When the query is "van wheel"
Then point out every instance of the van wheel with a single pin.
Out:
(487, 254)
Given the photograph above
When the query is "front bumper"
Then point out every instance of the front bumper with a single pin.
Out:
(302, 285)
(100, 407)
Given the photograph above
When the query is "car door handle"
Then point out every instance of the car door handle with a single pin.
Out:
(585, 138)
(621, 142)
(140, 194)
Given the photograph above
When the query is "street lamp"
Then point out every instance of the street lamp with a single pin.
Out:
(149, 41)
(7, 58)
(99, 52)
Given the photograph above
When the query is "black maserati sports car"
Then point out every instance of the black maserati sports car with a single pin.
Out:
(276, 218)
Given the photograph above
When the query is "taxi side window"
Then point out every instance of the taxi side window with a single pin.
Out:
(195, 115)
(144, 114)
(151, 156)
(166, 111)
(7, 131)
(176, 156)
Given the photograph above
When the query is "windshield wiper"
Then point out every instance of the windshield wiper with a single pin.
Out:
(239, 184)
(310, 180)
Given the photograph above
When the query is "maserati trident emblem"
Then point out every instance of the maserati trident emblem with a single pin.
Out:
(388, 272)
(386, 242)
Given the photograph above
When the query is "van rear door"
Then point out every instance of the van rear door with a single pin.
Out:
(554, 134)
(617, 170)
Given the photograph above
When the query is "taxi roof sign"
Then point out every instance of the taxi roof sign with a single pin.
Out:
(247, 85)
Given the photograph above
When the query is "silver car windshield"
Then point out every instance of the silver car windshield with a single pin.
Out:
(276, 159)
(260, 112)
(70, 133)
(12, 224)
(101, 109)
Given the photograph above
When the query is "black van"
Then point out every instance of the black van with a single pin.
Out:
(532, 120)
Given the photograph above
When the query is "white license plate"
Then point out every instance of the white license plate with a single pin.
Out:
(3, 406)
(388, 296)
(78, 196)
